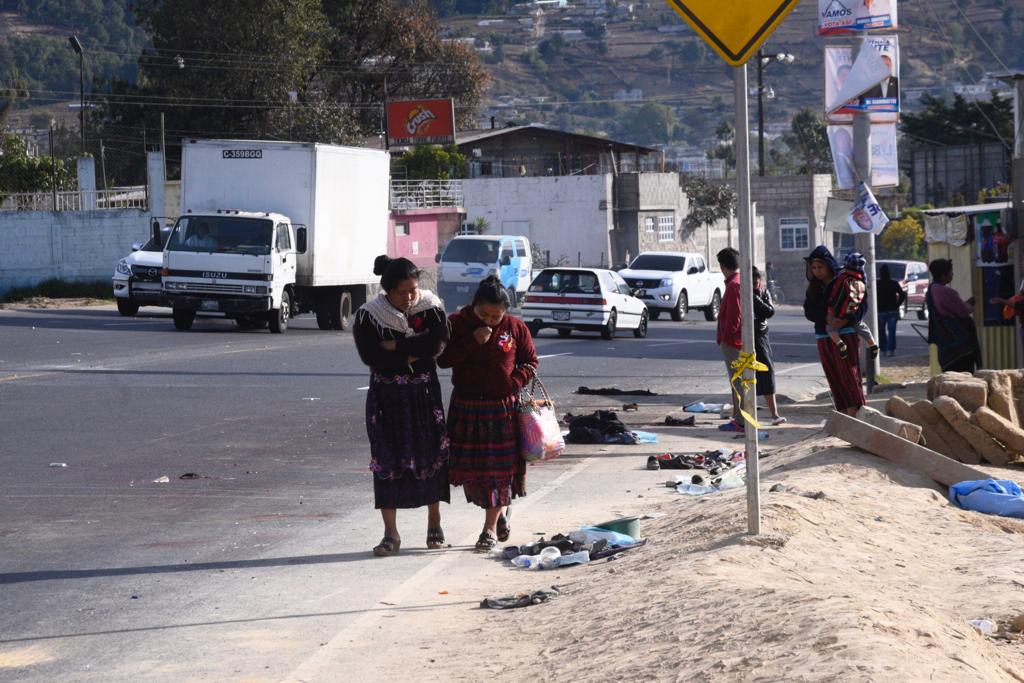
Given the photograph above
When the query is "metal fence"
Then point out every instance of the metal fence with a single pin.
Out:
(426, 194)
(74, 200)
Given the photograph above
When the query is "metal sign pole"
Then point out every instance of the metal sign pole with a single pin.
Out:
(866, 242)
(742, 142)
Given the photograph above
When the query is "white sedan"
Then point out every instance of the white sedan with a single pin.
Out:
(587, 299)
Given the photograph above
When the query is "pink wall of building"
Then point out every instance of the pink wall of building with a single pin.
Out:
(423, 227)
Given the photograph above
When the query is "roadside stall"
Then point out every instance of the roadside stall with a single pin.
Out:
(981, 241)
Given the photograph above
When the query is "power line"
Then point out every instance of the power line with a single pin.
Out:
(964, 72)
(983, 41)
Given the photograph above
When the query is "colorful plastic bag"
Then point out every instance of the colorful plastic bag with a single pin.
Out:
(540, 436)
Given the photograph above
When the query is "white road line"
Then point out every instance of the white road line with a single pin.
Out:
(553, 355)
(363, 389)
(140, 322)
(683, 341)
(320, 666)
(795, 368)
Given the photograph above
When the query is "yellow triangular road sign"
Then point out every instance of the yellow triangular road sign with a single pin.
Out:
(735, 29)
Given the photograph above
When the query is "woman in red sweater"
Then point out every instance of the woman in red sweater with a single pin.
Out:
(492, 358)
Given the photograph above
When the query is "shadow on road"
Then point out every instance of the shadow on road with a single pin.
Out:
(225, 622)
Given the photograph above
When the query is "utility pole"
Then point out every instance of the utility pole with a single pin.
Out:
(77, 47)
(866, 241)
(103, 163)
(760, 112)
(163, 145)
(746, 230)
(53, 168)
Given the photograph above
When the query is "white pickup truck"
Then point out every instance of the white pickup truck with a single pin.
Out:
(675, 282)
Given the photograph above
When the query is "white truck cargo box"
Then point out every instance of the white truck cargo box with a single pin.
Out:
(339, 193)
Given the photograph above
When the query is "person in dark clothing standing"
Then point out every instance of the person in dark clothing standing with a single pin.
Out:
(842, 372)
(763, 310)
(891, 297)
(492, 358)
(399, 334)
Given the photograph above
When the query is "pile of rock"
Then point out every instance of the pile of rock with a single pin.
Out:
(970, 418)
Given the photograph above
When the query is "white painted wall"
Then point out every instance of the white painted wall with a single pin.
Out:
(566, 215)
(74, 245)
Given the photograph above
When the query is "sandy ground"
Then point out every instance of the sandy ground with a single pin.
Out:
(46, 302)
(874, 581)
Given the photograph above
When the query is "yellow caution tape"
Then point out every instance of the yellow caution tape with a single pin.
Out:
(746, 361)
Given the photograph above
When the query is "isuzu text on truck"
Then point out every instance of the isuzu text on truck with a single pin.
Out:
(270, 230)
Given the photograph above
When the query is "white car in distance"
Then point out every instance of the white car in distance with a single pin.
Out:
(137, 279)
(583, 299)
(675, 282)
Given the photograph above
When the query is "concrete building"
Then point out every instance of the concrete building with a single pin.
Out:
(595, 220)
(793, 211)
(536, 150)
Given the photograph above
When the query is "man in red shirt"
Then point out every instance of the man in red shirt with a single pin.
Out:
(729, 338)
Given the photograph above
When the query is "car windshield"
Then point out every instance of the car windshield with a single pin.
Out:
(222, 234)
(670, 264)
(154, 245)
(471, 251)
(897, 271)
(575, 281)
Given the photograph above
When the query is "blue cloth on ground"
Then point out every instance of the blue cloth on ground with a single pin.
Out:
(991, 496)
(645, 437)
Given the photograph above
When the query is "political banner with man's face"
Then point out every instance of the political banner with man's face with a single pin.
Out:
(884, 162)
(867, 215)
(848, 16)
(882, 101)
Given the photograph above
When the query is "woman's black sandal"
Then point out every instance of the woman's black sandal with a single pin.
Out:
(387, 546)
(486, 542)
(504, 528)
(435, 538)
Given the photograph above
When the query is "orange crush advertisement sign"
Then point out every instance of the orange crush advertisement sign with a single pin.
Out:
(421, 122)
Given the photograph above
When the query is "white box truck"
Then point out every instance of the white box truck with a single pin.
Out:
(269, 230)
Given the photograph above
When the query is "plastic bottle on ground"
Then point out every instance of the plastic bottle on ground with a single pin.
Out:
(582, 557)
(527, 561)
(549, 557)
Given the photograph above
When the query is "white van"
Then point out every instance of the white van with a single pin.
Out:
(468, 259)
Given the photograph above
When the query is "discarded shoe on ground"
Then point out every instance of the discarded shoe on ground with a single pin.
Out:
(681, 422)
(520, 600)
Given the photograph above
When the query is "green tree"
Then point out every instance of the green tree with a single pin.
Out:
(21, 173)
(960, 122)
(433, 162)
(652, 123)
(725, 149)
(552, 49)
(710, 202)
(904, 239)
(807, 143)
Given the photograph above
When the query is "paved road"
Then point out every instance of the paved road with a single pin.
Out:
(107, 575)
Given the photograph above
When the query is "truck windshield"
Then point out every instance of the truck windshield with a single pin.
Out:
(222, 234)
(669, 264)
(471, 251)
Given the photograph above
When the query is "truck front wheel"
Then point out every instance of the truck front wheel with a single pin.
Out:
(278, 317)
(183, 319)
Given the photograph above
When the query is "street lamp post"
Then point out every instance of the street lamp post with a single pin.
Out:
(762, 63)
(77, 47)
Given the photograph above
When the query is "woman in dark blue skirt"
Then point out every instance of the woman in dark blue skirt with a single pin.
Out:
(399, 334)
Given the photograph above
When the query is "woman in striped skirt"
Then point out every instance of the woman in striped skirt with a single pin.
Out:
(842, 372)
(492, 358)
